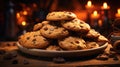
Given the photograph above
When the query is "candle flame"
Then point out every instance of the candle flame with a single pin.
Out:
(95, 13)
(118, 11)
(89, 3)
(23, 23)
(105, 5)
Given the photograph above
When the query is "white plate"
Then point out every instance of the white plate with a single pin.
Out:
(72, 53)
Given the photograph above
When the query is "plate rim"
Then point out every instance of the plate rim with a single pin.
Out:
(51, 51)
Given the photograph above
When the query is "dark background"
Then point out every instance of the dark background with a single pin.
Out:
(51, 5)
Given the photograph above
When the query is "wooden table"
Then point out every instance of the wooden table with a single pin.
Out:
(20, 59)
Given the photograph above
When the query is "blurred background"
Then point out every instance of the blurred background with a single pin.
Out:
(19, 16)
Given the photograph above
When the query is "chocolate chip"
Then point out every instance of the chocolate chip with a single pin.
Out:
(69, 16)
(49, 32)
(15, 61)
(34, 40)
(68, 26)
(28, 38)
(8, 44)
(81, 26)
(45, 28)
(71, 42)
(77, 42)
(81, 22)
(79, 47)
(69, 13)
(35, 35)
(25, 62)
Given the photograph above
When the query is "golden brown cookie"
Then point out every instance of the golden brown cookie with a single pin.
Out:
(102, 38)
(53, 32)
(38, 26)
(92, 45)
(76, 25)
(72, 43)
(33, 40)
(92, 34)
(60, 15)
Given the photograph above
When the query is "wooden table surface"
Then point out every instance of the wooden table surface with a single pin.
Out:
(20, 59)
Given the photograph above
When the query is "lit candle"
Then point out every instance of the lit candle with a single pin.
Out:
(105, 6)
(94, 19)
(117, 15)
(95, 15)
(89, 8)
(89, 5)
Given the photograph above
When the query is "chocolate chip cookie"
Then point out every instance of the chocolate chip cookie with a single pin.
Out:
(76, 25)
(33, 40)
(53, 32)
(60, 15)
(92, 45)
(92, 34)
(102, 38)
(72, 43)
(38, 26)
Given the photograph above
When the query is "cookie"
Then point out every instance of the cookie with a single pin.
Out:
(38, 26)
(92, 45)
(102, 38)
(33, 40)
(92, 34)
(53, 32)
(72, 43)
(60, 15)
(53, 47)
(76, 25)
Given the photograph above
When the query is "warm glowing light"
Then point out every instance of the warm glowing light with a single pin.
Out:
(95, 15)
(118, 13)
(25, 13)
(24, 23)
(89, 3)
(100, 23)
(18, 15)
(105, 6)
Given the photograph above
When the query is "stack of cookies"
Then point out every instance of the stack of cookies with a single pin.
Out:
(62, 30)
